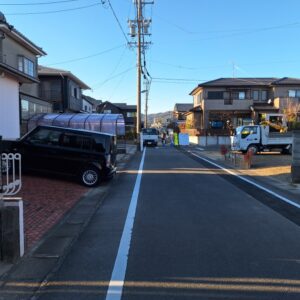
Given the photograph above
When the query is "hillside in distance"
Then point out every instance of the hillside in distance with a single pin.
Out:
(164, 116)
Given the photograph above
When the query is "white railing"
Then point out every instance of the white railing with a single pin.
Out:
(10, 174)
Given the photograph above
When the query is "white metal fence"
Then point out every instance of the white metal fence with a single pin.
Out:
(10, 174)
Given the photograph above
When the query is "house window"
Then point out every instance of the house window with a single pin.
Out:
(264, 95)
(215, 95)
(75, 93)
(26, 66)
(131, 114)
(107, 111)
(255, 95)
(239, 95)
(294, 93)
(29, 109)
(242, 95)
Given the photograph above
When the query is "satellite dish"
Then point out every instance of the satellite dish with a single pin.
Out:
(2, 18)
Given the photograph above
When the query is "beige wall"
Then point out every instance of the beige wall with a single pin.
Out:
(11, 51)
(236, 105)
(283, 91)
(30, 89)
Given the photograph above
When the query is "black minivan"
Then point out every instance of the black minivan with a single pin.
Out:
(88, 155)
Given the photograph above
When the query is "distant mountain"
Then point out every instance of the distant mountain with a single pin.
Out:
(164, 116)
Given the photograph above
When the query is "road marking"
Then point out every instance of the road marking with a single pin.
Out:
(250, 181)
(201, 149)
(114, 292)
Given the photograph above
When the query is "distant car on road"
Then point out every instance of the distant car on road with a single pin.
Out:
(150, 136)
(90, 156)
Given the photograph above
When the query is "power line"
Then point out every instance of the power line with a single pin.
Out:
(52, 11)
(86, 57)
(38, 3)
(98, 85)
(233, 31)
(118, 21)
(177, 79)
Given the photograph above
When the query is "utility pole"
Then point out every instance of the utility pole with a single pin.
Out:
(146, 102)
(139, 29)
(138, 102)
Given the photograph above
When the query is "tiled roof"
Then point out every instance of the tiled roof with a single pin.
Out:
(46, 71)
(239, 82)
(183, 107)
(124, 105)
(247, 81)
(92, 100)
(287, 81)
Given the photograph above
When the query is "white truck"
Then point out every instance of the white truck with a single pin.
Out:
(270, 134)
(150, 136)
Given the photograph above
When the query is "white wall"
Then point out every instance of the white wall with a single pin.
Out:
(89, 106)
(9, 108)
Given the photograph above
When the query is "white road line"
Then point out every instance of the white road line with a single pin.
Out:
(201, 149)
(250, 181)
(116, 283)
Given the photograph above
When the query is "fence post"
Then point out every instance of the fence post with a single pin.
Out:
(1, 202)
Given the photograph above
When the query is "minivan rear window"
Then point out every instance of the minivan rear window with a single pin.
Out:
(76, 141)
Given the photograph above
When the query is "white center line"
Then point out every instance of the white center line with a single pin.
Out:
(116, 283)
(250, 181)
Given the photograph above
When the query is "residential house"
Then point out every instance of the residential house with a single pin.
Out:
(62, 88)
(87, 105)
(18, 80)
(180, 110)
(92, 101)
(226, 103)
(128, 111)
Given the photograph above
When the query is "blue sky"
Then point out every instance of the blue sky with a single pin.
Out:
(193, 41)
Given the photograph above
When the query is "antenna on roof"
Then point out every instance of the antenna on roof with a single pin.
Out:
(233, 69)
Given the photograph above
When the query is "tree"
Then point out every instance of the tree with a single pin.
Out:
(292, 113)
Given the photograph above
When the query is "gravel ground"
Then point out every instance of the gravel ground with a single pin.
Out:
(271, 165)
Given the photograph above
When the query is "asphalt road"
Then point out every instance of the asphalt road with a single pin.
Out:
(196, 235)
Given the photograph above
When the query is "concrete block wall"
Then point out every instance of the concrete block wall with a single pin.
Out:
(209, 140)
(295, 169)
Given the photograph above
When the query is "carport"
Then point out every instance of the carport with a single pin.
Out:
(105, 123)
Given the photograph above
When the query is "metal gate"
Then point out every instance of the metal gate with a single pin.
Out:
(11, 210)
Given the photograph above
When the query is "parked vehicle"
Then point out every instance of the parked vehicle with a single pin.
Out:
(150, 136)
(267, 136)
(90, 156)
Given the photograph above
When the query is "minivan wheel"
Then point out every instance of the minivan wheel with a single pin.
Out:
(90, 176)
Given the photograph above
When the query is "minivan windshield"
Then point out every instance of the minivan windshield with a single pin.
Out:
(150, 131)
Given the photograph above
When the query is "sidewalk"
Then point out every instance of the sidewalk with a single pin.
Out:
(269, 167)
(48, 202)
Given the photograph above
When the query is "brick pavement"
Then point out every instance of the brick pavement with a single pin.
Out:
(46, 200)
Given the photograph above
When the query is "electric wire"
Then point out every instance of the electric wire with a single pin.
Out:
(98, 85)
(52, 11)
(38, 3)
(118, 21)
(234, 31)
(86, 57)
